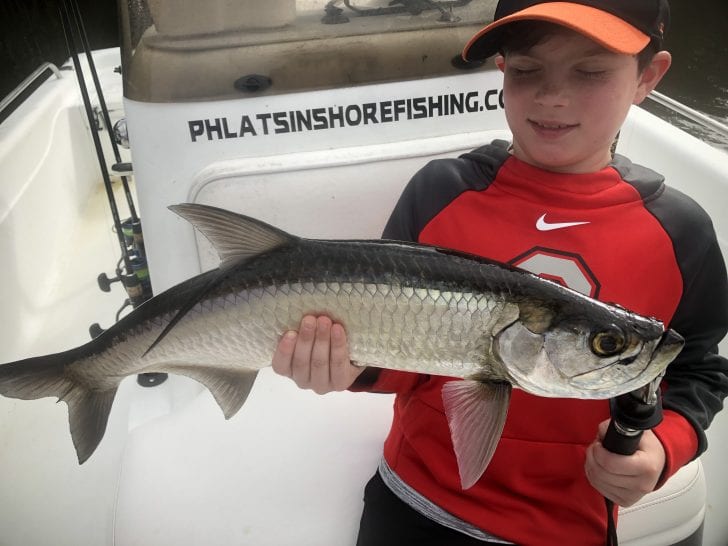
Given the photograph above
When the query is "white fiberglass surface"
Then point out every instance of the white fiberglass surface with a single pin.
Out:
(47, 498)
(700, 171)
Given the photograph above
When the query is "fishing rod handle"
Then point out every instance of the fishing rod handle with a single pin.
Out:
(632, 414)
(620, 439)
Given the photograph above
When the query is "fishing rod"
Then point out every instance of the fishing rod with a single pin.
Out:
(135, 288)
(134, 276)
(135, 227)
(76, 13)
(632, 414)
(71, 42)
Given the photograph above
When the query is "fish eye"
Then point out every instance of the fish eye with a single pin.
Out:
(608, 342)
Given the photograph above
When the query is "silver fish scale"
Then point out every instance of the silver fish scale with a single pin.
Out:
(124, 356)
(400, 327)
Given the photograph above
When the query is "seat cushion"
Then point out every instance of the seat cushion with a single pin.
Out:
(290, 469)
(668, 515)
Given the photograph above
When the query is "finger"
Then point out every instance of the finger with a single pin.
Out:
(301, 362)
(626, 466)
(284, 354)
(624, 490)
(320, 354)
(343, 373)
(603, 481)
(618, 495)
(602, 429)
(621, 496)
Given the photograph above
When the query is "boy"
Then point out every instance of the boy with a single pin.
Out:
(554, 199)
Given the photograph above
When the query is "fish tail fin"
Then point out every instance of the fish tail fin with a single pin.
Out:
(46, 376)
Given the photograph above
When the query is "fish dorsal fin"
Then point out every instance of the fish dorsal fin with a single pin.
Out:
(476, 413)
(235, 237)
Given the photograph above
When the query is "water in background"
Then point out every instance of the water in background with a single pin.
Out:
(31, 33)
(699, 43)
(698, 40)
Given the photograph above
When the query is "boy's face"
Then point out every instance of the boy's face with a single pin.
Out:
(567, 97)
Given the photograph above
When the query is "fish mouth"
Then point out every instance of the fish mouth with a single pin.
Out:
(670, 345)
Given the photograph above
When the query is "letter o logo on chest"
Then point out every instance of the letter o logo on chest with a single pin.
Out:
(564, 268)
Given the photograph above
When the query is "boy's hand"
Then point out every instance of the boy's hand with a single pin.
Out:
(625, 479)
(317, 356)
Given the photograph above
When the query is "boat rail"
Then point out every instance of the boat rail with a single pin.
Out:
(690, 113)
(27, 82)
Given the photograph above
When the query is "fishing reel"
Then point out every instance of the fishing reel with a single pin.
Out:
(132, 272)
(632, 414)
(131, 269)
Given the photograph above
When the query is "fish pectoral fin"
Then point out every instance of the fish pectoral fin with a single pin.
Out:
(229, 386)
(476, 413)
(235, 237)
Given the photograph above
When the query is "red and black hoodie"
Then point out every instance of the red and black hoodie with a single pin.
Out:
(622, 236)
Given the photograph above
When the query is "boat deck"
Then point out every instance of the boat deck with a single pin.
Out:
(170, 469)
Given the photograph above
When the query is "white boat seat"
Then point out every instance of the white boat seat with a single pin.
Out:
(669, 515)
(290, 469)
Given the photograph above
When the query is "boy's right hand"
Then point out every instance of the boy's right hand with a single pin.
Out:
(317, 356)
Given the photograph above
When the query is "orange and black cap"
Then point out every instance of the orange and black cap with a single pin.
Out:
(623, 26)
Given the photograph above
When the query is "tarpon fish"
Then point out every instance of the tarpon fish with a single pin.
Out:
(404, 306)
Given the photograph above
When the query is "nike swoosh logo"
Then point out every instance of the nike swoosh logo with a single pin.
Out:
(543, 225)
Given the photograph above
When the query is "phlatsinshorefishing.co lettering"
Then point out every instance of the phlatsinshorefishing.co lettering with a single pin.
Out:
(341, 116)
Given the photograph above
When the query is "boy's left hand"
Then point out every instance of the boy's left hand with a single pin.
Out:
(625, 479)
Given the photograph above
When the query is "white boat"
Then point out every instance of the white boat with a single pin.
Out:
(311, 116)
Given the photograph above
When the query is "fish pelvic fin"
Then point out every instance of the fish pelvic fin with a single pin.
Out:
(476, 413)
(229, 386)
(235, 237)
(46, 376)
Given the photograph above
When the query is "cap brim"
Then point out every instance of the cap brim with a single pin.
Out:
(607, 30)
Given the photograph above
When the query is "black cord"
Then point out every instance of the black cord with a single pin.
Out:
(612, 539)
